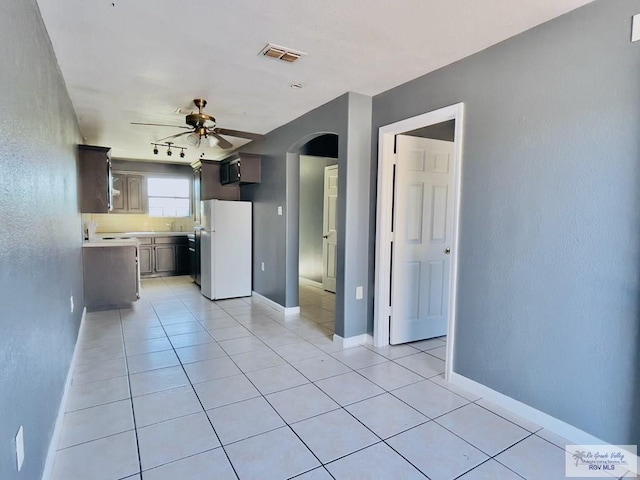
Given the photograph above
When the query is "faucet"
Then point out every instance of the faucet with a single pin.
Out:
(170, 225)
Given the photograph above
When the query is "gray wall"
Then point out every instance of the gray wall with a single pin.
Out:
(548, 293)
(40, 257)
(276, 237)
(440, 131)
(312, 215)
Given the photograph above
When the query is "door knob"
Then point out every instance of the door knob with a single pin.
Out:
(325, 236)
(447, 250)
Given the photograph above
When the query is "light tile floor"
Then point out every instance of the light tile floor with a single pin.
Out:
(179, 387)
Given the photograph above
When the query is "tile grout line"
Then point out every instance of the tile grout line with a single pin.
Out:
(195, 393)
(313, 382)
(133, 412)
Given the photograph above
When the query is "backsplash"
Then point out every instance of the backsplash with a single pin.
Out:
(118, 223)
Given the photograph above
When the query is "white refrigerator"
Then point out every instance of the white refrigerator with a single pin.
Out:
(225, 247)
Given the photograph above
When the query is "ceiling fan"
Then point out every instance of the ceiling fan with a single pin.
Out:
(202, 128)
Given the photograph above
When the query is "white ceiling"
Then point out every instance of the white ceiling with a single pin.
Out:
(139, 60)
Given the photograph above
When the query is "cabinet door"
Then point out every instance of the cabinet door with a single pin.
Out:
(135, 193)
(145, 259)
(94, 165)
(250, 168)
(119, 193)
(196, 196)
(183, 260)
(165, 258)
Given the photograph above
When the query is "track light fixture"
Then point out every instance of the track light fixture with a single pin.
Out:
(169, 146)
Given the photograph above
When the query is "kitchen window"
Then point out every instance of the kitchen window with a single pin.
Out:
(168, 196)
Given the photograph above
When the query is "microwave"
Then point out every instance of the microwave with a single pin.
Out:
(230, 171)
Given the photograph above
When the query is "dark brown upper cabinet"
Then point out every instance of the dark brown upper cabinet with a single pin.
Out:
(207, 185)
(242, 168)
(94, 168)
(129, 193)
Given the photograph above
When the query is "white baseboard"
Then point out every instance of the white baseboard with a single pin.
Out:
(571, 433)
(349, 342)
(274, 305)
(57, 430)
(307, 281)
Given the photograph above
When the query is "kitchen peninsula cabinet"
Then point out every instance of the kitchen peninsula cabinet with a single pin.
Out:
(94, 168)
(110, 275)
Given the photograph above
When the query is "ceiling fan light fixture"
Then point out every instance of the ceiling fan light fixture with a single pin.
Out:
(193, 139)
(213, 141)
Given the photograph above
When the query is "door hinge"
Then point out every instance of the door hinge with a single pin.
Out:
(394, 158)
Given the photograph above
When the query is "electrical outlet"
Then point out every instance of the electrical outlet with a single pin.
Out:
(71, 302)
(262, 266)
(359, 293)
(635, 28)
(20, 448)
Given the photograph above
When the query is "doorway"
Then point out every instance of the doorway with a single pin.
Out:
(317, 244)
(419, 168)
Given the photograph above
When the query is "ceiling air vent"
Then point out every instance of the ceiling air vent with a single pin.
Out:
(281, 53)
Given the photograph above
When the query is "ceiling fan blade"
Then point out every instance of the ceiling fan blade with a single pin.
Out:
(173, 136)
(158, 125)
(238, 133)
(222, 143)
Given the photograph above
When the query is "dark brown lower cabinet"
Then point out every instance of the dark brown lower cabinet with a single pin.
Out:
(165, 258)
(183, 260)
(164, 255)
(145, 253)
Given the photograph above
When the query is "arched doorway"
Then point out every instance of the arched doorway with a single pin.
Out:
(306, 162)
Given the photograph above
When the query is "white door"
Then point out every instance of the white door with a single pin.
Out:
(423, 231)
(329, 227)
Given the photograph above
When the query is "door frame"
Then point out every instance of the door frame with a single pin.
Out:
(384, 235)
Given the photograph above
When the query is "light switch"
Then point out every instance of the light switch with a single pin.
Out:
(359, 293)
(635, 28)
(279, 209)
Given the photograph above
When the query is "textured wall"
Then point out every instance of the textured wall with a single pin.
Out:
(548, 294)
(40, 235)
(276, 237)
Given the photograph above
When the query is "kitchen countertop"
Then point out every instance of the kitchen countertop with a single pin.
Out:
(119, 242)
(143, 234)
(123, 239)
